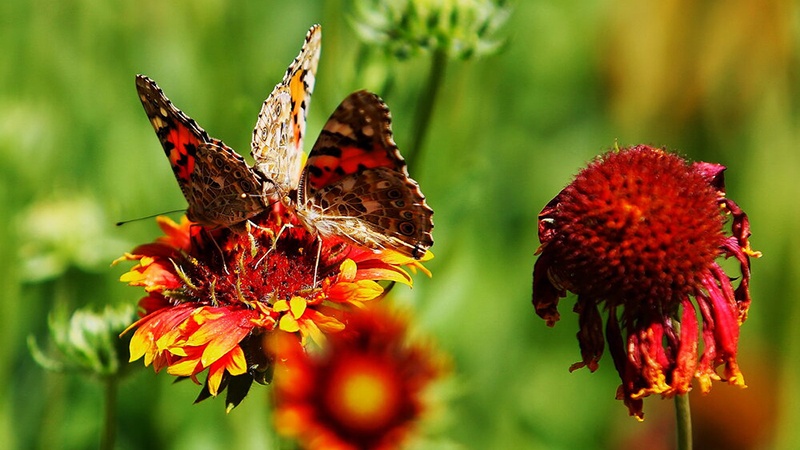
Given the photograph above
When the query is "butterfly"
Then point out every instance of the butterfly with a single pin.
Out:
(219, 186)
(354, 185)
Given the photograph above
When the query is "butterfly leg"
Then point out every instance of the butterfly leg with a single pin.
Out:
(211, 238)
(221, 253)
(254, 242)
(319, 253)
(239, 291)
(274, 242)
(284, 227)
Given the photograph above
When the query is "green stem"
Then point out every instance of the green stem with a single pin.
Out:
(361, 61)
(109, 413)
(388, 86)
(425, 108)
(683, 415)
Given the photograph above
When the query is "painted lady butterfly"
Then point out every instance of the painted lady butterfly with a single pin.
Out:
(355, 184)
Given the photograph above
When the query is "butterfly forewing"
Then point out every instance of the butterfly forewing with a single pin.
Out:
(357, 136)
(277, 145)
(221, 189)
(356, 185)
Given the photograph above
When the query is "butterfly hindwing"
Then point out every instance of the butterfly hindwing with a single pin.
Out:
(221, 189)
(377, 208)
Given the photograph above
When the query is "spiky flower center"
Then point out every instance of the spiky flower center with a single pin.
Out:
(639, 227)
(257, 265)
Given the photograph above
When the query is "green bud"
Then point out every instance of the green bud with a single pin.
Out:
(87, 341)
(461, 29)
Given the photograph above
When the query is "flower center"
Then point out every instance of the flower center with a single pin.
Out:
(651, 225)
(263, 263)
(362, 394)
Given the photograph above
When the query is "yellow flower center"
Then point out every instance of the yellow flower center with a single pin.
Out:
(363, 395)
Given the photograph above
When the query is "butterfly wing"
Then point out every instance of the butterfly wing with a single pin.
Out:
(221, 189)
(356, 184)
(277, 145)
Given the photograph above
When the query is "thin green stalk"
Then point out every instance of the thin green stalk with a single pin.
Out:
(109, 413)
(683, 416)
(361, 60)
(426, 103)
(388, 86)
(683, 410)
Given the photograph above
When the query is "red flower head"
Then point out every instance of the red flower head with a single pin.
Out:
(215, 295)
(364, 389)
(640, 231)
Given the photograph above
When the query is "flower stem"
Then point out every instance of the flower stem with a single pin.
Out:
(683, 415)
(427, 100)
(109, 413)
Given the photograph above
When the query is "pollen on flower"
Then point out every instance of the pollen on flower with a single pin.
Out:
(640, 231)
(213, 295)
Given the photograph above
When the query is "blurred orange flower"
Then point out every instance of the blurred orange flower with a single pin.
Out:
(364, 389)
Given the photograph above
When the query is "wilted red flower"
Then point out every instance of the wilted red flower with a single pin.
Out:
(214, 295)
(364, 389)
(639, 231)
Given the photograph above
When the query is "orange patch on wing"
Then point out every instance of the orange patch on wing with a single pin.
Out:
(354, 157)
(297, 89)
(178, 157)
(352, 160)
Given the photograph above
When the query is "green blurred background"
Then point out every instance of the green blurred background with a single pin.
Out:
(717, 81)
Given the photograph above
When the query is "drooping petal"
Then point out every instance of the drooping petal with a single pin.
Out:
(686, 360)
(590, 335)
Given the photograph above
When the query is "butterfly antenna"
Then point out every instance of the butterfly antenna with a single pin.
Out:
(123, 222)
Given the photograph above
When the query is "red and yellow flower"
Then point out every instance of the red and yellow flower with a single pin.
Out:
(215, 295)
(639, 231)
(366, 388)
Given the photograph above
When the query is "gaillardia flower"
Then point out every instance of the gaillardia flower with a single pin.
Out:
(366, 388)
(215, 295)
(639, 231)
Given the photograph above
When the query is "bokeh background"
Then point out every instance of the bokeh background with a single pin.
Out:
(716, 81)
